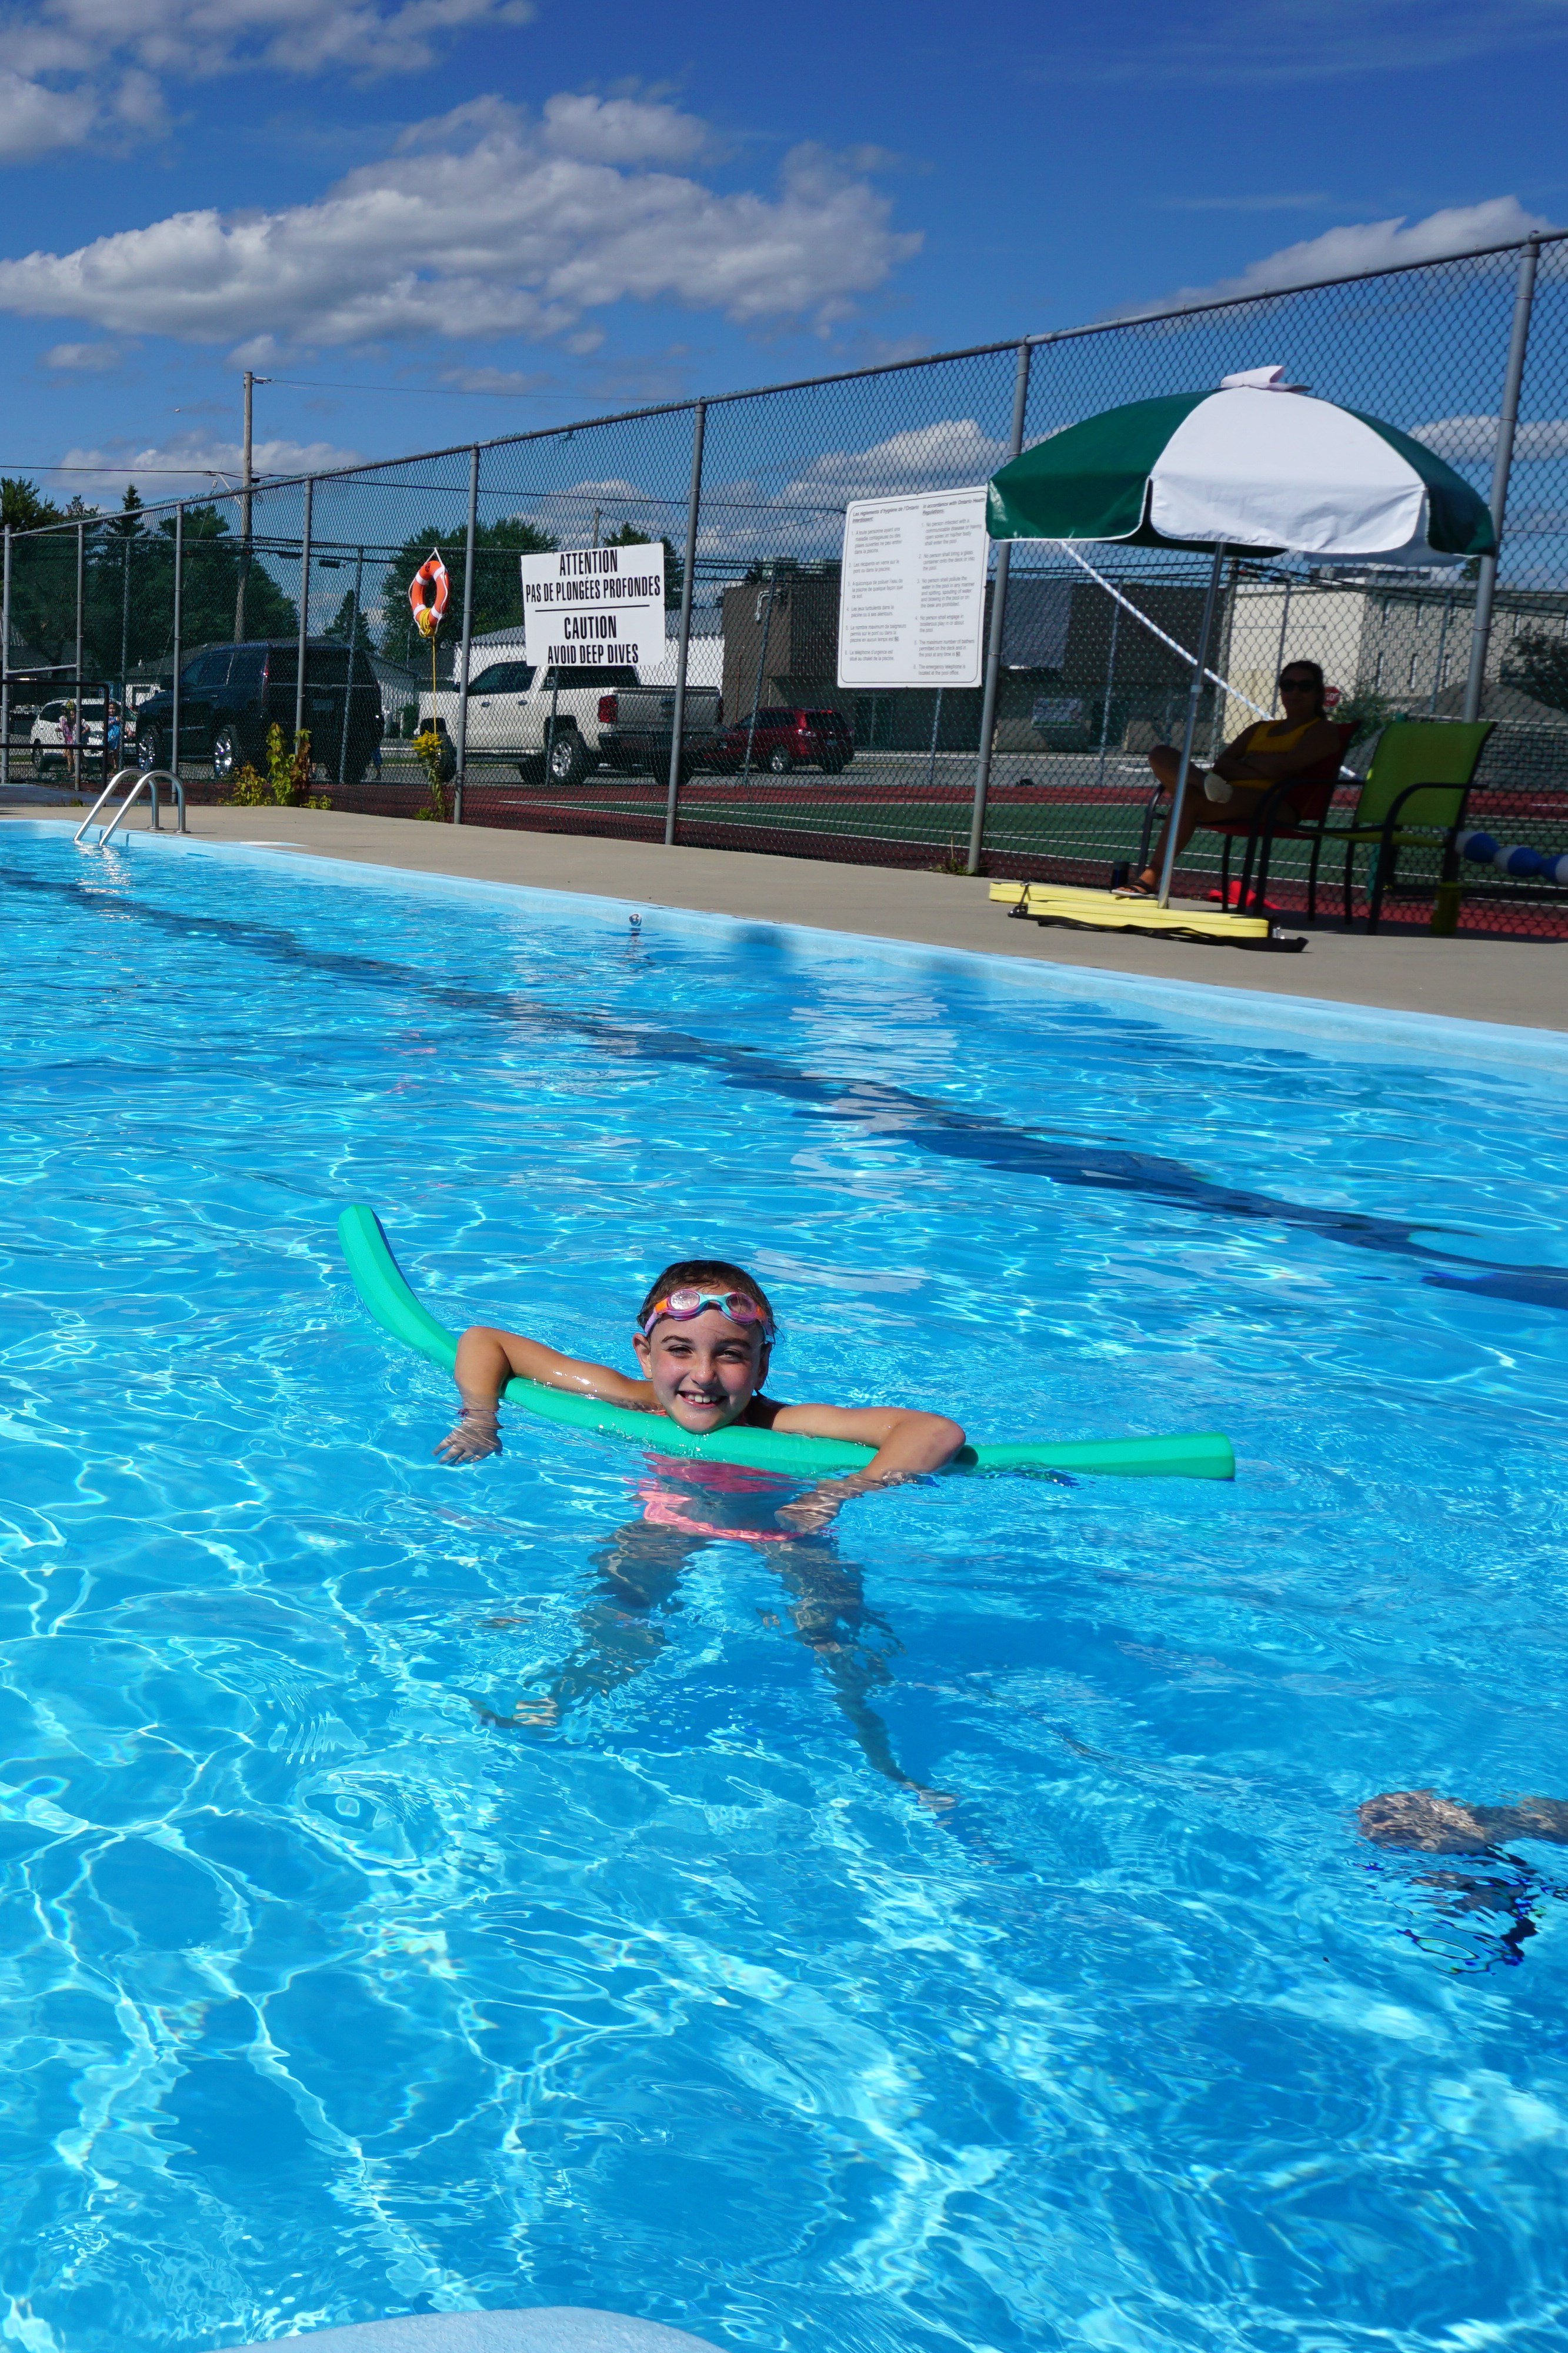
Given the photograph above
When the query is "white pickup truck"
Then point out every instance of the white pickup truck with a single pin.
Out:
(547, 721)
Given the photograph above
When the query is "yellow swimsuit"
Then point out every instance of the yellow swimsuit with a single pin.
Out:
(1272, 736)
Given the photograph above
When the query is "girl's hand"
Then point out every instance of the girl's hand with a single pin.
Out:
(824, 1503)
(477, 1434)
(814, 1511)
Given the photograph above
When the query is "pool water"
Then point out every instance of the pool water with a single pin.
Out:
(426, 1889)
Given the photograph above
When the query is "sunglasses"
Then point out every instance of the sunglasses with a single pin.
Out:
(684, 1304)
(1298, 686)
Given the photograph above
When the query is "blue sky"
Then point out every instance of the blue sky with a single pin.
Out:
(502, 213)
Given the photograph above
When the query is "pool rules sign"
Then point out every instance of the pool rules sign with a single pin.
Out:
(585, 605)
(911, 600)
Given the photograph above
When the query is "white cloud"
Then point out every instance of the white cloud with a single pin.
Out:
(192, 463)
(1364, 246)
(492, 231)
(952, 452)
(89, 358)
(622, 131)
(76, 67)
(504, 381)
(1475, 437)
(34, 119)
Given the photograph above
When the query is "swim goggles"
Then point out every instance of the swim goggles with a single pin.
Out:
(684, 1304)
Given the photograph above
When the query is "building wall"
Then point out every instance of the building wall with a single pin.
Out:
(1408, 643)
(788, 630)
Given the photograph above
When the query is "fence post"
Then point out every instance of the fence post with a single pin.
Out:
(244, 495)
(1502, 467)
(678, 714)
(178, 628)
(468, 636)
(5, 666)
(354, 649)
(304, 610)
(81, 728)
(994, 642)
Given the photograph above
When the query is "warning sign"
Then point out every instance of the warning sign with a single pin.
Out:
(585, 605)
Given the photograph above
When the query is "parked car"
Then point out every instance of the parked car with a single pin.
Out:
(59, 726)
(543, 719)
(231, 695)
(635, 725)
(782, 740)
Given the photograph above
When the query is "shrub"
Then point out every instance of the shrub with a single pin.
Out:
(436, 759)
(287, 781)
(1365, 710)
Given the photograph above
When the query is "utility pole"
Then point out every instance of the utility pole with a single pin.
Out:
(251, 381)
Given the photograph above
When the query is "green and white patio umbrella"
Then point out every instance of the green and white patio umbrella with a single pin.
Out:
(1257, 467)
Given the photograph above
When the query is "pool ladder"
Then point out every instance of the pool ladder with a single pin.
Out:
(151, 778)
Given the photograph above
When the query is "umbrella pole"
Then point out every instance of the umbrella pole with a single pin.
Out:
(1189, 733)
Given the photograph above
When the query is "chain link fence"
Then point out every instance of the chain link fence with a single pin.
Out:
(190, 630)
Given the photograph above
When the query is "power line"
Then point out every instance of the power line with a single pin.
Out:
(408, 391)
(31, 466)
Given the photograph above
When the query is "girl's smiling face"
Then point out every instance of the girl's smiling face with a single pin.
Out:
(704, 1371)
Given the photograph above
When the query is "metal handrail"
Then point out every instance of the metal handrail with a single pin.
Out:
(151, 778)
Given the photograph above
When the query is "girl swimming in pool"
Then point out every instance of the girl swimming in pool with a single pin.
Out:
(704, 1337)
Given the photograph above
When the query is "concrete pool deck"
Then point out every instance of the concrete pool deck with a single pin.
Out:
(1523, 982)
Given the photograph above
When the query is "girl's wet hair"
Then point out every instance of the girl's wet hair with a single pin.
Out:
(705, 1275)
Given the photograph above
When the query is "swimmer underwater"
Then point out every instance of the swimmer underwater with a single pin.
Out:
(704, 1337)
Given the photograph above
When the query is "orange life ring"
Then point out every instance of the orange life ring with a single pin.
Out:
(429, 609)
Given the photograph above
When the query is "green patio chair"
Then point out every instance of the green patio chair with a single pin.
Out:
(1414, 797)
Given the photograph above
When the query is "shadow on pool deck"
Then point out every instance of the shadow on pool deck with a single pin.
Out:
(1519, 982)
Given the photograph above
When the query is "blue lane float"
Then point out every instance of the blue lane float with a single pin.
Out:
(1513, 858)
(385, 1292)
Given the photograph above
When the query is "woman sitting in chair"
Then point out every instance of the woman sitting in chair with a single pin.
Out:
(1304, 744)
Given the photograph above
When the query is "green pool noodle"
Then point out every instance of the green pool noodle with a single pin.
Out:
(380, 1284)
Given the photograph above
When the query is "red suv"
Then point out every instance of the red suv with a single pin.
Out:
(783, 740)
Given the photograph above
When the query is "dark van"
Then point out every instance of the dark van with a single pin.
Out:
(230, 696)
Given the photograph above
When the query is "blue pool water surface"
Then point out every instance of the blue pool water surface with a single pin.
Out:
(426, 1889)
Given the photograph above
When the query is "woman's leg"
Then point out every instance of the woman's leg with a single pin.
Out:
(1164, 759)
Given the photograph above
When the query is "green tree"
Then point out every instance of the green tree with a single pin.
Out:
(23, 505)
(1537, 663)
(212, 561)
(129, 520)
(130, 589)
(350, 625)
(128, 586)
(498, 591)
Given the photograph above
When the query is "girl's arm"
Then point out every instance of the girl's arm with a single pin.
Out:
(486, 1360)
(907, 1443)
